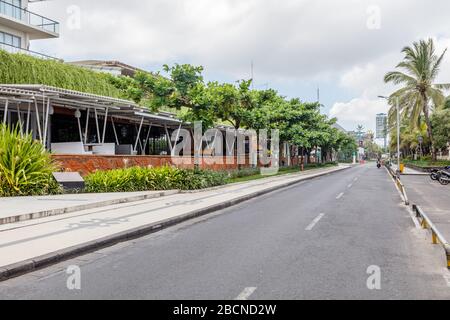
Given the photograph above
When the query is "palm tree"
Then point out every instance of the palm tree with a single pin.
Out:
(419, 95)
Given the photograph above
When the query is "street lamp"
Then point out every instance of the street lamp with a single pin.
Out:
(398, 128)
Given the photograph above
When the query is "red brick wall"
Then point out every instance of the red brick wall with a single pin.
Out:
(86, 164)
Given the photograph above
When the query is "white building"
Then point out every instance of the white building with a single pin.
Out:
(19, 26)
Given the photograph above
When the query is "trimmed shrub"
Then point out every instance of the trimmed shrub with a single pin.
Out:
(150, 179)
(25, 166)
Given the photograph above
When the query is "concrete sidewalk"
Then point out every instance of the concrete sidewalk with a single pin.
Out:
(32, 244)
(410, 172)
(433, 198)
(15, 209)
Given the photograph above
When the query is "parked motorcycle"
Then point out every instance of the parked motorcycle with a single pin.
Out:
(444, 177)
(436, 173)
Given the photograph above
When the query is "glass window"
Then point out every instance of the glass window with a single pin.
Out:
(11, 8)
(10, 40)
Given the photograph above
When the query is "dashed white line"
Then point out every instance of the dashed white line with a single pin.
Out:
(356, 179)
(340, 196)
(315, 221)
(244, 295)
(350, 185)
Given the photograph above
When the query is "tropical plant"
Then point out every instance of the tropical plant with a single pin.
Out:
(419, 94)
(25, 167)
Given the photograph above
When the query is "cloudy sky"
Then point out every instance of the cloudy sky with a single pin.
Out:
(344, 47)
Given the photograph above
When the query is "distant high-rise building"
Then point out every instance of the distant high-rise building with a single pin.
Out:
(382, 127)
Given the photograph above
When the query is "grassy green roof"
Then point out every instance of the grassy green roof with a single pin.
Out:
(23, 69)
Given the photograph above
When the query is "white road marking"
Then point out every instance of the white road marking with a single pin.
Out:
(350, 185)
(356, 179)
(246, 293)
(340, 196)
(315, 221)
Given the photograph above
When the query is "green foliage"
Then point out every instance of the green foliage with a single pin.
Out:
(24, 69)
(441, 128)
(420, 69)
(25, 167)
(183, 89)
(143, 179)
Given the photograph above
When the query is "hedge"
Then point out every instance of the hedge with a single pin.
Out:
(17, 68)
(151, 179)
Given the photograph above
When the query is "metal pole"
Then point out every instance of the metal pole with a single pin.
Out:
(19, 117)
(104, 125)
(148, 137)
(169, 139)
(115, 132)
(138, 135)
(38, 120)
(97, 126)
(5, 116)
(398, 134)
(28, 118)
(47, 114)
(87, 126)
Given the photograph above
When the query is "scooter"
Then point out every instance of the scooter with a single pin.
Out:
(436, 173)
(444, 177)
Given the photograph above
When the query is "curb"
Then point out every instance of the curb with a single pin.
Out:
(60, 211)
(40, 262)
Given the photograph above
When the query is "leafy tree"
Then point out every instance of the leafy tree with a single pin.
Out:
(441, 126)
(421, 66)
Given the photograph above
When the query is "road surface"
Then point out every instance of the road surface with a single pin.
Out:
(316, 240)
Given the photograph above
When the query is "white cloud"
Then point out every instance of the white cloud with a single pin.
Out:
(361, 111)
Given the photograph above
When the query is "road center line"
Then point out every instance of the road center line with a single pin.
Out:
(315, 221)
(246, 293)
(340, 196)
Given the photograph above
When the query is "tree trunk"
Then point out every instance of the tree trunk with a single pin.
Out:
(429, 128)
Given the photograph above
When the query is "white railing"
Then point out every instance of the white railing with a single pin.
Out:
(28, 17)
(11, 49)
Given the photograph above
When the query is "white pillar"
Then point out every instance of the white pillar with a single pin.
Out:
(5, 116)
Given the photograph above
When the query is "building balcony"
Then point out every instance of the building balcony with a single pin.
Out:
(37, 26)
(12, 49)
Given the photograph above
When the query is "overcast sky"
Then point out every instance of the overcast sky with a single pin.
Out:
(344, 47)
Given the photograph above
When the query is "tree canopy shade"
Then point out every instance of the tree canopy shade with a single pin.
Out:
(23, 69)
(419, 94)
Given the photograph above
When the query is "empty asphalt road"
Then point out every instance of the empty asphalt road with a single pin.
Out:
(316, 240)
